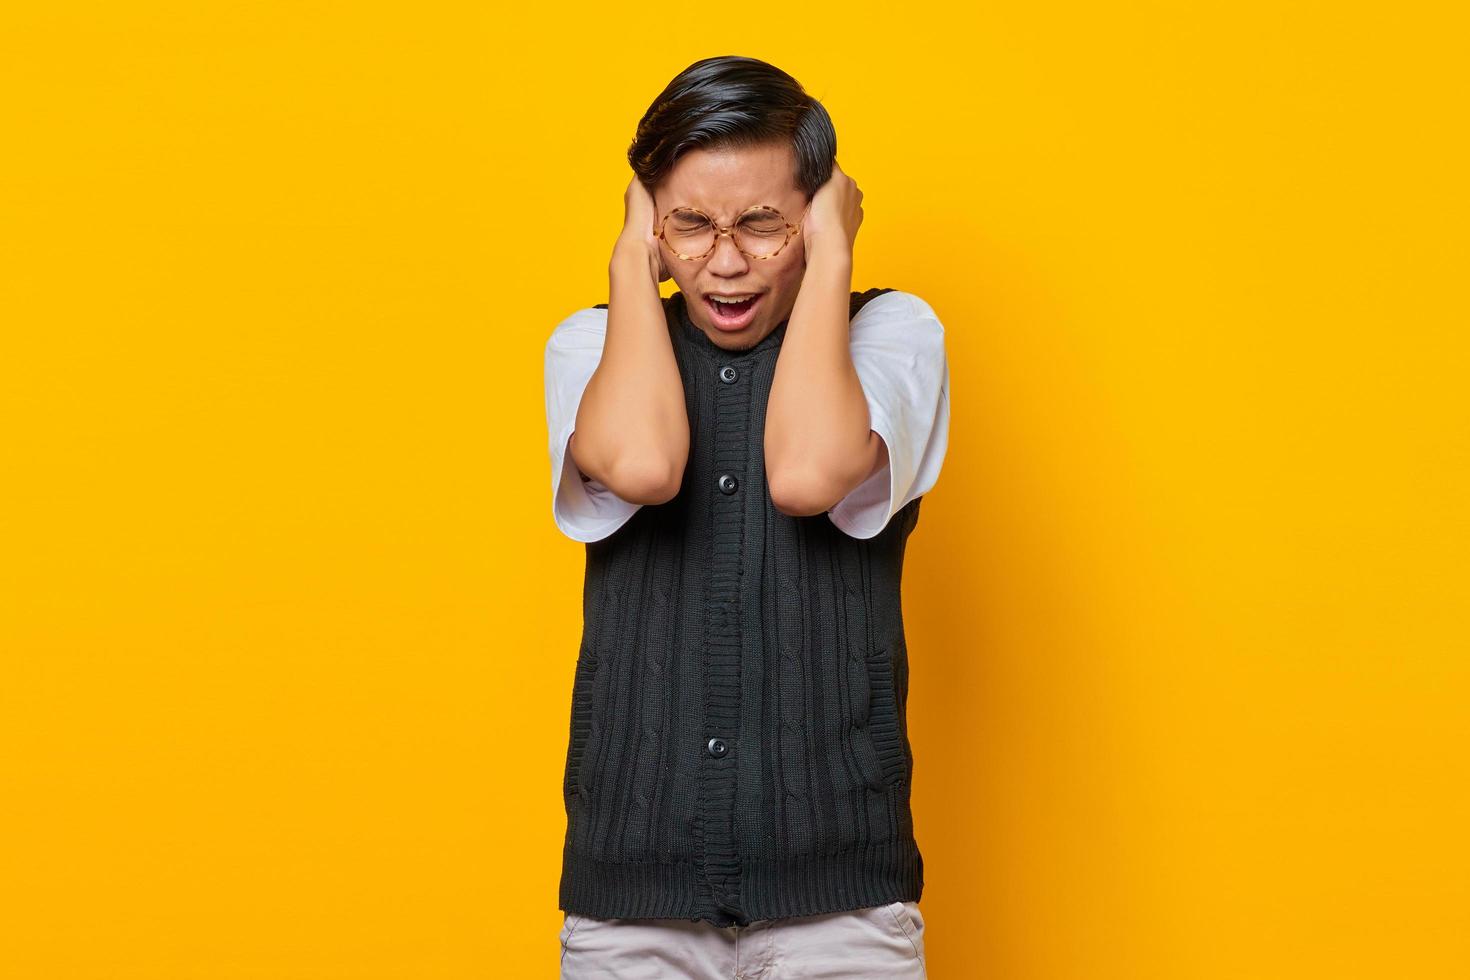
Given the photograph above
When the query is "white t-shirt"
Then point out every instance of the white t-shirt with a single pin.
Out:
(897, 348)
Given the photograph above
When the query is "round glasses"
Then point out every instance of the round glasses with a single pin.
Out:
(761, 232)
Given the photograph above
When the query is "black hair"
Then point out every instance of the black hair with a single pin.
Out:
(734, 101)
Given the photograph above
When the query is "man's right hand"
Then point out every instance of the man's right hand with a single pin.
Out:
(640, 221)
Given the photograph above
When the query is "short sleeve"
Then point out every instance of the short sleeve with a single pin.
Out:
(897, 347)
(584, 509)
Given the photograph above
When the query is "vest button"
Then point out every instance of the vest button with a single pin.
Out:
(728, 374)
(727, 483)
(717, 747)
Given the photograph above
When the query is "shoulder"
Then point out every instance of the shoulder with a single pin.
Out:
(897, 307)
(580, 330)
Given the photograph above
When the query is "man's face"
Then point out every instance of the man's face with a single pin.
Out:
(722, 183)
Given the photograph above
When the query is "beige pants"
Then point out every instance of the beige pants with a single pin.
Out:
(884, 941)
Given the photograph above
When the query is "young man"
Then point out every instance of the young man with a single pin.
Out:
(744, 462)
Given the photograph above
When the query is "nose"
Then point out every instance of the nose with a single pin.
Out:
(727, 260)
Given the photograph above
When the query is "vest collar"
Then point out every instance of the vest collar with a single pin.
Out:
(690, 330)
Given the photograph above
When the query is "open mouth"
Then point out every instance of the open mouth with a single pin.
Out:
(733, 316)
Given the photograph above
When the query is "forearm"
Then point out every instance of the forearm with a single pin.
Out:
(632, 431)
(818, 444)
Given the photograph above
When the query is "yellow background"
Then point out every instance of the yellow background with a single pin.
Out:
(288, 631)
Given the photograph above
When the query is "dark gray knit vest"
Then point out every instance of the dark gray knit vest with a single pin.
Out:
(739, 748)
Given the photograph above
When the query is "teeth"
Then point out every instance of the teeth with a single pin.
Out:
(731, 299)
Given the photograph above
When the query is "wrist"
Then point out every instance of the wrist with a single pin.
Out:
(825, 263)
(630, 253)
(828, 255)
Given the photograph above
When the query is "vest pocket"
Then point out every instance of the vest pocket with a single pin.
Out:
(582, 728)
(877, 737)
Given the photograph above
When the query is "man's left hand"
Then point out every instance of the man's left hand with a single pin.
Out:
(832, 218)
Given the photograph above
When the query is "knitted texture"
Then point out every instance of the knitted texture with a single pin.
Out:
(739, 745)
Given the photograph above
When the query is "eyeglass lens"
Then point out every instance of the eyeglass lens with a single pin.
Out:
(758, 232)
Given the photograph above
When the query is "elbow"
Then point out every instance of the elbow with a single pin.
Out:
(802, 488)
(645, 480)
(798, 494)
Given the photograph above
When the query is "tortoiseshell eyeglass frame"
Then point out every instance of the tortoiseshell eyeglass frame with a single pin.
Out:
(791, 232)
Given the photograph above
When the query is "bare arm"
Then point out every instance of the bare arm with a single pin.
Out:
(818, 440)
(632, 431)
